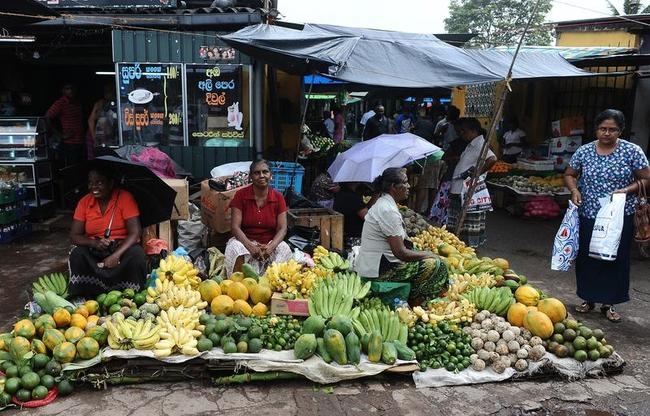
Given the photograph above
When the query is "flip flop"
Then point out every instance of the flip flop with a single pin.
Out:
(610, 313)
(585, 307)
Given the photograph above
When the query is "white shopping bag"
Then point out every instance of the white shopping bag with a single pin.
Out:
(565, 245)
(607, 230)
(481, 200)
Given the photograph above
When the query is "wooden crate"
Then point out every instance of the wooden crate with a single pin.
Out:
(163, 231)
(329, 222)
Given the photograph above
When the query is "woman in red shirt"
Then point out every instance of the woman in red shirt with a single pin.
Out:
(258, 223)
(105, 232)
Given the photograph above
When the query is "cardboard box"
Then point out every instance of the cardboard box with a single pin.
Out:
(215, 207)
(564, 144)
(329, 222)
(296, 307)
(181, 210)
(569, 126)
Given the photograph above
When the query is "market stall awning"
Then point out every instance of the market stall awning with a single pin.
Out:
(22, 12)
(385, 58)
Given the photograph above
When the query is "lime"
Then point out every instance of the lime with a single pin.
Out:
(592, 343)
(215, 338)
(24, 370)
(558, 328)
(30, 380)
(53, 368)
(585, 332)
(242, 346)
(65, 387)
(229, 347)
(11, 371)
(450, 367)
(255, 331)
(593, 355)
(140, 298)
(561, 351)
(254, 345)
(100, 298)
(552, 345)
(210, 329)
(39, 392)
(204, 344)
(12, 385)
(47, 381)
(6, 364)
(40, 361)
(128, 293)
(569, 334)
(580, 343)
(571, 323)
(204, 318)
(24, 395)
(221, 327)
(114, 308)
(571, 349)
(558, 338)
(244, 337)
(598, 333)
(580, 355)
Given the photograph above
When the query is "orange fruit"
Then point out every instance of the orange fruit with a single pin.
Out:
(25, 328)
(237, 290)
(224, 285)
(61, 317)
(250, 284)
(261, 294)
(209, 289)
(236, 277)
(78, 320)
(82, 310)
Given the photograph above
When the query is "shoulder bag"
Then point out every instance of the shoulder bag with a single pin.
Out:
(642, 216)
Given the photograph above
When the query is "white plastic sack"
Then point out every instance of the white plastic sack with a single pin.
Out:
(565, 245)
(229, 168)
(481, 200)
(607, 230)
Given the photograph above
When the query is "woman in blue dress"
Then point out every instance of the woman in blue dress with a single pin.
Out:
(598, 169)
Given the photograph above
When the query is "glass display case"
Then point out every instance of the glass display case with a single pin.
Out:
(24, 159)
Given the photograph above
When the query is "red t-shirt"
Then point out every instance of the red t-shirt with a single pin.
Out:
(69, 115)
(88, 212)
(259, 224)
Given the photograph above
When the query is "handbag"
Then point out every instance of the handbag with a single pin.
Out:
(642, 216)
(566, 243)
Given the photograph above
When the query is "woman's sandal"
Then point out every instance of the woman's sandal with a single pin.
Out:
(585, 307)
(610, 313)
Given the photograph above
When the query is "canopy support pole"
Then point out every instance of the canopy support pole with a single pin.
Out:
(480, 162)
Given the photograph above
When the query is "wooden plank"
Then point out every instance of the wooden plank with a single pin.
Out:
(336, 231)
(165, 233)
(325, 231)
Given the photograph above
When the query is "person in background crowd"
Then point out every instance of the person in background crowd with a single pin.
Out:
(440, 206)
(327, 127)
(445, 132)
(423, 126)
(339, 125)
(597, 170)
(323, 190)
(64, 119)
(365, 117)
(473, 229)
(258, 223)
(404, 121)
(513, 141)
(385, 252)
(349, 202)
(102, 122)
(377, 124)
(350, 127)
(106, 233)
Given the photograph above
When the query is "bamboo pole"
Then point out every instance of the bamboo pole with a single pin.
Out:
(480, 163)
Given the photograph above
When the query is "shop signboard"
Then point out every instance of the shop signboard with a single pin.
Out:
(104, 4)
(150, 103)
(217, 111)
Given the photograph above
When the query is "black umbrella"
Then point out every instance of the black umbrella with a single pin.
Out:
(154, 197)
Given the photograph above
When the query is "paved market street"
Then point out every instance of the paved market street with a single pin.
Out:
(525, 243)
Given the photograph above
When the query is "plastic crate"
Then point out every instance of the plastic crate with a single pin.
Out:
(286, 174)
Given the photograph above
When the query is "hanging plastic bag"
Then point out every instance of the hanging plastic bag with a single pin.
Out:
(565, 245)
(481, 200)
(607, 230)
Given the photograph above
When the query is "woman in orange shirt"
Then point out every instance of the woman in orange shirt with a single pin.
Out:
(106, 233)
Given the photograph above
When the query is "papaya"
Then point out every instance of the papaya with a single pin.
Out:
(341, 323)
(404, 352)
(353, 347)
(388, 353)
(516, 313)
(322, 351)
(87, 348)
(99, 333)
(248, 271)
(315, 324)
(19, 347)
(364, 342)
(305, 346)
(335, 345)
(527, 295)
(375, 346)
(52, 338)
(25, 328)
(64, 352)
(553, 308)
(538, 323)
(43, 322)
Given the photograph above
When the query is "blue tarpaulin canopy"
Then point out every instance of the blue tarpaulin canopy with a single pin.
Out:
(388, 59)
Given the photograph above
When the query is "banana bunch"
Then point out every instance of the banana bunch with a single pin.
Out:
(319, 252)
(385, 321)
(352, 283)
(433, 237)
(180, 296)
(124, 334)
(181, 317)
(55, 282)
(454, 311)
(333, 261)
(176, 339)
(179, 270)
(496, 300)
(407, 316)
(460, 283)
(291, 277)
(334, 297)
(161, 286)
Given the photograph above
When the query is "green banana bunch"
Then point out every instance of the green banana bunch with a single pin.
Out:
(332, 297)
(54, 282)
(384, 320)
(496, 299)
(334, 261)
(353, 284)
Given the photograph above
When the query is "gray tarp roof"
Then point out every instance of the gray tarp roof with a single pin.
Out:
(388, 59)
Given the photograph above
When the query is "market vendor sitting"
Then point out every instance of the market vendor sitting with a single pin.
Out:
(106, 233)
(258, 223)
(386, 254)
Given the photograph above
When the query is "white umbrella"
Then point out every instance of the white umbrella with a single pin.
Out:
(364, 161)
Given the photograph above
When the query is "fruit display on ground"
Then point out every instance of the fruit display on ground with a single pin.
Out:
(489, 318)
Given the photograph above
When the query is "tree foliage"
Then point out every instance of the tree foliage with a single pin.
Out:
(629, 7)
(499, 22)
